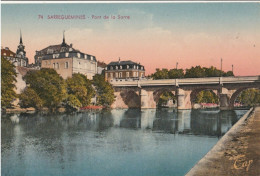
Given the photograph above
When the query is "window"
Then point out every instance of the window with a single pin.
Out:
(133, 74)
(116, 67)
(137, 74)
(127, 74)
(111, 75)
(120, 75)
(58, 66)
(66, 64)
(54, 65)
(111, 68)
(116, 75)
(49, 51)
(121, 67)
(134, 66)
(127, 66)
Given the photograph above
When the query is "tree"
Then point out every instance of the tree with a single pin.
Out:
(213, 72)
(249, 97)
(175, 73)
(29, 98)
(165, 97)
(229, 73)
(81, 88)
(72, 102)
(195, 72)
(160, 74)
(105, 91)
(8, 80)
(206, 96)
(49, 86)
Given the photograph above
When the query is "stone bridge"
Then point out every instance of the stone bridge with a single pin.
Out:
(146, 93)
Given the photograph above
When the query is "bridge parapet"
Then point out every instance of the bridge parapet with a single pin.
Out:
(185, 81)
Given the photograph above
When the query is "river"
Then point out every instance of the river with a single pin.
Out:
(111, 142)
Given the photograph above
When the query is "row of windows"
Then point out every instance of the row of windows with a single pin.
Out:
(79, 55)
(57, 65)
(127, 67)
(120, 75)
(10, 54)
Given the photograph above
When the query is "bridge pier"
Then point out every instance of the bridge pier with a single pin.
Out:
(147, 99)
(183, 99)
(224, 101)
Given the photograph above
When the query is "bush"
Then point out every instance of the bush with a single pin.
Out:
(29, 98)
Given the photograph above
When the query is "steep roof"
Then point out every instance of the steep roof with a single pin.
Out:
(7, 52)
(128, 62)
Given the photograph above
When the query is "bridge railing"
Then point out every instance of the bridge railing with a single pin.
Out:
(186, 81)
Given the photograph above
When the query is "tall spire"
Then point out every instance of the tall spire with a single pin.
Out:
(63, 37)
(21, 40)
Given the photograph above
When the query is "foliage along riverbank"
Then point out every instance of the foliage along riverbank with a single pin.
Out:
(46, 89)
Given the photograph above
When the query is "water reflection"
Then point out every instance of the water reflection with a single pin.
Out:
(198, 122)
(64, 142)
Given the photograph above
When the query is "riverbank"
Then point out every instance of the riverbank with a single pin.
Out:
(33, 110)
(237, 152)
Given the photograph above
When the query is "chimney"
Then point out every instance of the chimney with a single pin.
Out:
(119, 60)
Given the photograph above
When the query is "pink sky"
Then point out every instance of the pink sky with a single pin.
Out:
(191, 34)
(163, 50)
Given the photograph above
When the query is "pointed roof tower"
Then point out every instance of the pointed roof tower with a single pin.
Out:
(63, 41)
(21, 39)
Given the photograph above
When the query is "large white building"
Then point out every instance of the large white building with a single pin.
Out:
(66, 60)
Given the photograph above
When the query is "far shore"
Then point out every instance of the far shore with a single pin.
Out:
(87, 108)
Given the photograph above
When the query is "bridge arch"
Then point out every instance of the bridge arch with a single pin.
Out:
(131, 98)
(237, 93)
(159, 92)
(195, 93)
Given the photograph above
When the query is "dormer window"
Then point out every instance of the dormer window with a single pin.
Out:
(111, 68)
(78, 54)
(49, 51)
(121, 67)
(91, 57)
(137, 67)
(66, 54)
(134, 66)
(116, 67)
(127, 66)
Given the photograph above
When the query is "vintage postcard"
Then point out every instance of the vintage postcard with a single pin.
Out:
(130, 88)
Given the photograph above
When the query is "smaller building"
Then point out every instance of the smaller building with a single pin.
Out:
(8, 54)
(19, 58)
(124, 70)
